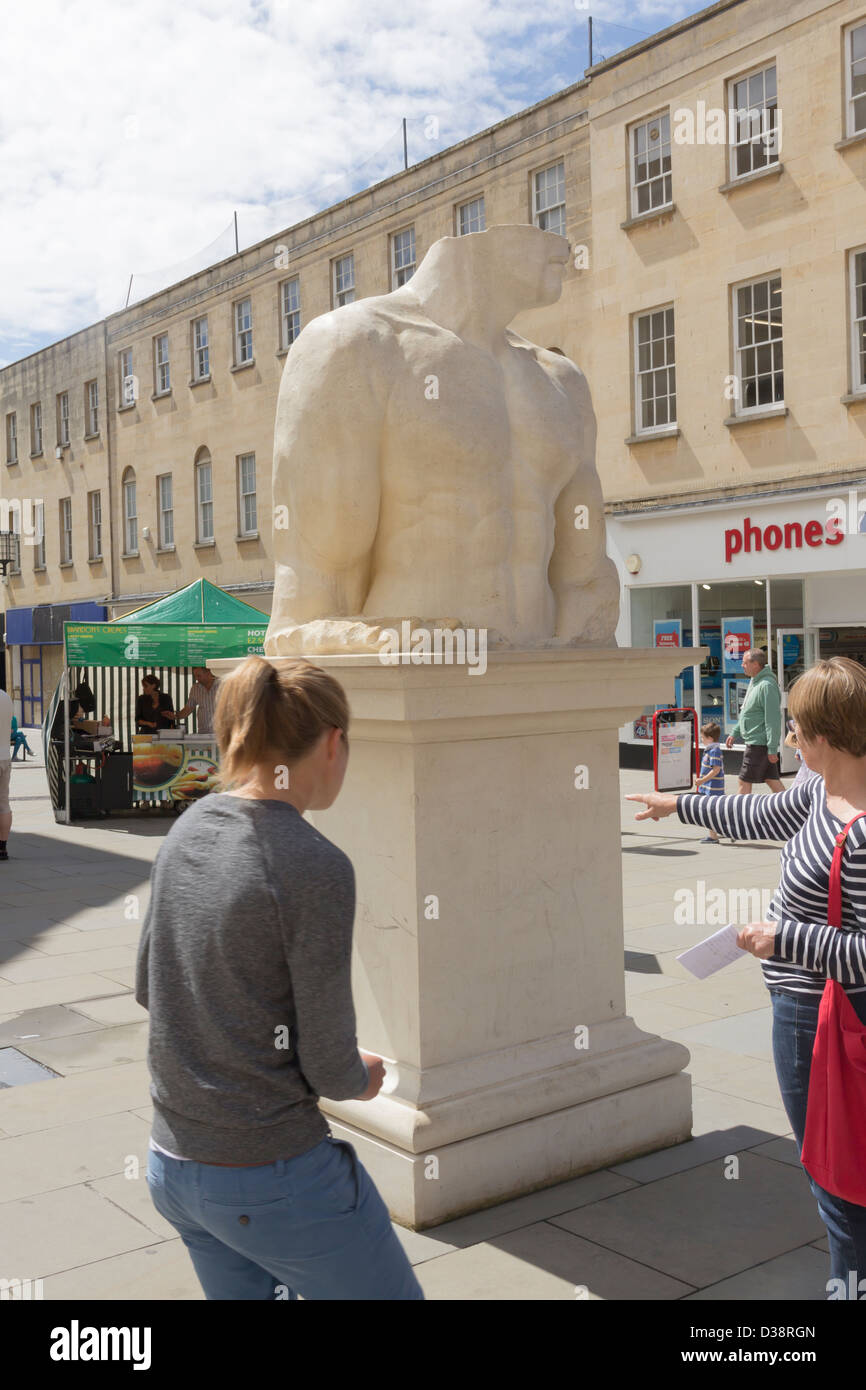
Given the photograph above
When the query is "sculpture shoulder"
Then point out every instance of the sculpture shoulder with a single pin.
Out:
(560, 369)
(362, 329)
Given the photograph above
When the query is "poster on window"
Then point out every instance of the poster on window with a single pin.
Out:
(668, 632)
(738, 636)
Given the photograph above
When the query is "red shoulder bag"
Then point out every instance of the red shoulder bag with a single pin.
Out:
(834, 1146)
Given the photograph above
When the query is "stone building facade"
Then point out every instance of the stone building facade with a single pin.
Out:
(717, 302)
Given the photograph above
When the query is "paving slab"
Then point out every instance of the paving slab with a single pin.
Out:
(64, 1229)
(528, 1210)
(132, 1194)
(718, 1110)
(665, 1019)
(116, 1008)
(28, 966)
(65, 941)
(67, 989)
(540, 1262)
(783, 1150)
(699, 1226)
(56, 1021)
(798, 1275)
(124, 976)
(103, 1047)
(693, 1154)
(50, 1104)
(161, 1272)
(69, 1154)
(749, 1033)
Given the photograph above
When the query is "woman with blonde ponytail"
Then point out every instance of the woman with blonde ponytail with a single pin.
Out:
(245, 967)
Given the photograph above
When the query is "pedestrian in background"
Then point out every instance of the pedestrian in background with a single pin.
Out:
(711, 781)
(19, 739)
(759, 725)
(6, 717)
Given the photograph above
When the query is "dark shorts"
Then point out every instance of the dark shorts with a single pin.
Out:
(757, 766)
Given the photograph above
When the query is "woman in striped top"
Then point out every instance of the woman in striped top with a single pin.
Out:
(798, 948)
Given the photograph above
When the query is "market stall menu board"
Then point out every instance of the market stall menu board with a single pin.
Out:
(159, 644)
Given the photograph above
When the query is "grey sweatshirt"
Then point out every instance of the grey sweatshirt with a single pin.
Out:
(246, 942)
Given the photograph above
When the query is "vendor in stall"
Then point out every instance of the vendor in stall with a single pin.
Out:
(153, 709)
(202, 696)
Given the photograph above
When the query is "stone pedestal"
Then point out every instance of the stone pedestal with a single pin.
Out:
(482, 816)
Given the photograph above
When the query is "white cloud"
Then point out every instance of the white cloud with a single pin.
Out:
(129, 134)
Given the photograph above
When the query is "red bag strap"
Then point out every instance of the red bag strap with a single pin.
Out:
(834, 898)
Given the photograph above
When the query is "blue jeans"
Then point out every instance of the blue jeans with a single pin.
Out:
(313, 1225)
(795, 1021)
(21, 742)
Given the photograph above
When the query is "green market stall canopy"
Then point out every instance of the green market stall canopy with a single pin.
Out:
(183, 629)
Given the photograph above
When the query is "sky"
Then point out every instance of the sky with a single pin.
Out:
(131, 134)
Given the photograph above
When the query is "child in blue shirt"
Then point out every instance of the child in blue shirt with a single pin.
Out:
(712, 779)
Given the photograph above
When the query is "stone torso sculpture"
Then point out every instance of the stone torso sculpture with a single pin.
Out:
(431, 464)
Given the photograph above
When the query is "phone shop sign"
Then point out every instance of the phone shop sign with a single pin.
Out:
(844, 518)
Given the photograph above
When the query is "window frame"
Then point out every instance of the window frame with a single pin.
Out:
(197, 348)
(162, 512)
(36, 407)
(39, 526)
(733, 175)
(91, 408)
(338, 299)
(124, 377)
(66, 532)
(657, 117)
(161, 364)
(850, 131)
(63, 419)
(757, 409)
(647, 431)
(241, 334)
(285, 314)
(11, 436)
(396, 271)
(461, 207)
(129, 481)
(537, 212)
(94, 525)
(243, 530)
(15, 528)
(203, 462)
(857, 388)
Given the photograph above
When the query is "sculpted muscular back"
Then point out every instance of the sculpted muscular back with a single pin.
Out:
(431, 460)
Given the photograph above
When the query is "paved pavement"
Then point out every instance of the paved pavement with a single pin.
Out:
(728, 1215)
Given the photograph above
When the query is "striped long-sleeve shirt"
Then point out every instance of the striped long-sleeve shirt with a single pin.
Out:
(808, 950)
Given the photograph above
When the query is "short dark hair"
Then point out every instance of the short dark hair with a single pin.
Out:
(154, 680)
(711, 730)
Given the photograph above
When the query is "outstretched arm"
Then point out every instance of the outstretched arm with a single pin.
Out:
(776, 817)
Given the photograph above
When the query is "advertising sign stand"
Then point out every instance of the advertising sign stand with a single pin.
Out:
(675, 749)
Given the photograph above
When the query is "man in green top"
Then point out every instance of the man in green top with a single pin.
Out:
(759, 725)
